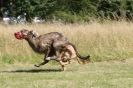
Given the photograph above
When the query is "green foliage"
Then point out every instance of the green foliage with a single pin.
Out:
(68, 10)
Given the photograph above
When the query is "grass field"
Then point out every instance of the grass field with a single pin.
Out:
(109, 44)
(108, 41)
(114, 74)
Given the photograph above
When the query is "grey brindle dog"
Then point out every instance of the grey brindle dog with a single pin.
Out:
(54, 45)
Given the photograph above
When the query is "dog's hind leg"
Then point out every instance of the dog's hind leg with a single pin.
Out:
(63, 64)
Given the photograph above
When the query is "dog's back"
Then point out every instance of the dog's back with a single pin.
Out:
(53, 36)
(49, 40)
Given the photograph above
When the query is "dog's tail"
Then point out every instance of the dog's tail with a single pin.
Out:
(84, 59)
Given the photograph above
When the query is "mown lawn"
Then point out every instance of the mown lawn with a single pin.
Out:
(112, 74)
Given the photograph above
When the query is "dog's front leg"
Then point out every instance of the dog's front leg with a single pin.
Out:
(45, 58)
(43, 63)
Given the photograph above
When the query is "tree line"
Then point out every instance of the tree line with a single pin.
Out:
(68, 10)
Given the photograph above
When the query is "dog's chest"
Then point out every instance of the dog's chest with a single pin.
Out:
(42, 47)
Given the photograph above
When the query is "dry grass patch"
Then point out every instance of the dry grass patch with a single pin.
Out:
(111, 40)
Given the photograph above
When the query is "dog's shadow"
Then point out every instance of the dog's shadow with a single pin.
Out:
(32, 71)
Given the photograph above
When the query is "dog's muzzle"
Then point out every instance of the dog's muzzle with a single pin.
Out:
(18, 35)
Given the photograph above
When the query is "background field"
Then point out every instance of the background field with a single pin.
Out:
(110, 46)
(108, 41)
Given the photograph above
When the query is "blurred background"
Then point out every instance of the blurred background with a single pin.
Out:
(39, 11)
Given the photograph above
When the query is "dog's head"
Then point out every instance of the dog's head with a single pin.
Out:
(25, 34)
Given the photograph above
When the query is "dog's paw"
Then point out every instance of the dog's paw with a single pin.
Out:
(36, 65)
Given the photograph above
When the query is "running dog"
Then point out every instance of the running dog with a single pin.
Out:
(54, 45)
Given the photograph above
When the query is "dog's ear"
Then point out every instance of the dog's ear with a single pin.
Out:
(34, 33)
(24, 31)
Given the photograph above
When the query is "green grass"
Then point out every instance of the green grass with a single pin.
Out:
(113, 74)
(110, 43)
